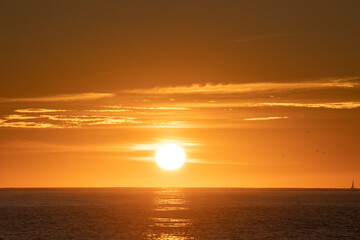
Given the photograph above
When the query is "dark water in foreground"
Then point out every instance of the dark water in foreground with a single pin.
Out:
(178, 214)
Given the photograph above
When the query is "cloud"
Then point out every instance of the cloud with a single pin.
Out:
(249, 87)
(158, 108)
(264, 118)
(27, 125)
(229, 111)
(331, 105)
(108, 110)
(126, 108)
(19, 117)
(336, 105)
(114, 121)
(89, 120)
(39, 110)
(61, 121)
(63, 97)
(73, 118)
(86, 120)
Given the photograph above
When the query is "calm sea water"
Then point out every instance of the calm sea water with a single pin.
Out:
(178, 214)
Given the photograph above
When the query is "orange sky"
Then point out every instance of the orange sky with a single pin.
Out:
(258, 93)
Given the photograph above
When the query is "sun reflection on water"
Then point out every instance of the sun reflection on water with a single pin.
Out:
(171, 216)
(170, 200)
(165, 236)
(171, 222)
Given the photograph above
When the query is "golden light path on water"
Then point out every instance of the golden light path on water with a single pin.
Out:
(169, 220)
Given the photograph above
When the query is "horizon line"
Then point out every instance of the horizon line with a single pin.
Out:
(310, 188)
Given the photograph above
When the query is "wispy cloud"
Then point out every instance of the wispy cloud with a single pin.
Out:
(336, 105)
(196, 106)
(108, 110)
(73, 118)
(264, 118)
(249, 87)
(19, 117)
(330, 105)
(39, 110)
(27, 125)
(198, 114)
(78, 119)
(114, 121)
(127, 108)
(63, 97)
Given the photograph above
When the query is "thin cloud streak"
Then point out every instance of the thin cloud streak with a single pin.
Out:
(248, 87)
(127, 108)
(332, 105)
(264, 118)
(20, 117)
(27, 125)
(63, 97)
(86, 120)
(336, 105)
(39, 110)
(108, 110)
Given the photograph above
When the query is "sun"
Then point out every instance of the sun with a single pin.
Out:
(170, 156)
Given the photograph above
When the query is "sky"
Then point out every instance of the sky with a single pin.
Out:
(259, 93)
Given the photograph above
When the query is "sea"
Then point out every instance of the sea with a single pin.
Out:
(178, 214)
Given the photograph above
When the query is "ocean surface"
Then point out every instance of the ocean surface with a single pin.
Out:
(178, 214)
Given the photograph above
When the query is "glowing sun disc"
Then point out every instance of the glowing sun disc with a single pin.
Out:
(170, 156)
